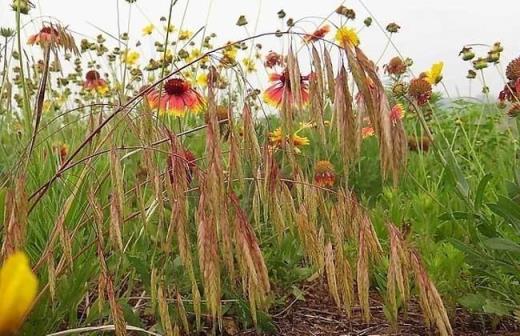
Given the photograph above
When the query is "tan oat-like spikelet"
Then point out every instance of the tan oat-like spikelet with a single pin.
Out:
(208, 255)
(177, 186)
(210, 212)
(108, 284)
(317, 95)
(66, 39)
(318, 74)
(66, 245)
(329, 71)
(309, 235)
(345, 120)
(253, 263)
(317, 109)
(345, 212)
(293, 68)
(116, 222)
(251, 146)
(330, 269)
(51, 270)
(398, 270)
(227, 237)
(97, 215)
(115, 309)
(391, 134)
(369, 249)
(101, 291)
(16, 218)
(338, 231)
(429, 298)
(374, 245)
(362, 277)
(197, 306)
(277, 216)
(365, 86)
(154, 284)
(181, 312)
(116, 200)
(345, 280)
(235, 163)
(164, 312)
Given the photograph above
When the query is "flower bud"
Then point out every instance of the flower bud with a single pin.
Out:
(480, 63)
(467, 53)
(24, 6)
(393, 28)
(493, 57)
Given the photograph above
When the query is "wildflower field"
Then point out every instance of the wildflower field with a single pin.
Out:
(217, 187)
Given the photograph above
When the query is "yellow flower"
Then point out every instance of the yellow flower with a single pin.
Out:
(230, 53)
(276, 136)
(299, 140)
(130, 57)
(169, 29)
(202, 80)
(249, 65)
(148, 29)
(18, 287)
(306, 124)
(185, 34)
(347, 37)
(434, 74)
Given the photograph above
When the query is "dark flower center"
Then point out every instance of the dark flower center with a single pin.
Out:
(176, 86)
(49, 30)
(92, 75)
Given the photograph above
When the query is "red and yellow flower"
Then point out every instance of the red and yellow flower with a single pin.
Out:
(94, 82)
(177, 98)
(511, 91)
(318, 34)
(367, 132)
(396, 113)
(324, 175)
(46, 36)
(281, 86)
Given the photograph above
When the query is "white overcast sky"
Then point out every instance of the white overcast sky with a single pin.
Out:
(432, 30)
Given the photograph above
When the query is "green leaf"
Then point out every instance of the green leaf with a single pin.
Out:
(457, 215)
(474, 302)
(496, 307)
(481, 189)
(502, 244)
(298, 294)
(508, 210)
(456, 172)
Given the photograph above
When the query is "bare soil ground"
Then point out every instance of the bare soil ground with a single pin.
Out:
(319, 316)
